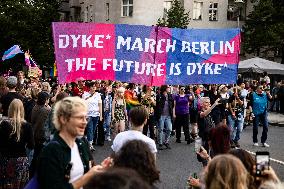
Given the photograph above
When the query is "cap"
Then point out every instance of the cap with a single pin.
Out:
(42, 96)
(221, 87)
(12, 81)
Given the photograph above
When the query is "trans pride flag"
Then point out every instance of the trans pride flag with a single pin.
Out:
(145, 54)
(13, 51)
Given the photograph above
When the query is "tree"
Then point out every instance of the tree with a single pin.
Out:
(28, 23)
(264, 28)
(176, 17)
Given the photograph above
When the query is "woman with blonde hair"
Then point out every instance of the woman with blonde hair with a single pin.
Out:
(226, 172)
(65, 161)
(119, 113)
(15, 136)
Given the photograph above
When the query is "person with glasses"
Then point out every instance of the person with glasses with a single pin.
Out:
(94, 102)
(204, 120)
(258, 106)
(64, 162)
(181, 114)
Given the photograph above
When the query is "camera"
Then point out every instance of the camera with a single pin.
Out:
(223, 101)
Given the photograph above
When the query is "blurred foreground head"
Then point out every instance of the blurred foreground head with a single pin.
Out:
(226, 171)
(117, 178)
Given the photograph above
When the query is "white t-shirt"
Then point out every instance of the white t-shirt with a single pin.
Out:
(77, 170)
(93, 103)
(126, 136)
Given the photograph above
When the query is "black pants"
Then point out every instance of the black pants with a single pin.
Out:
(150, 125)
(182, 120)
(33, 166)
(99, 134)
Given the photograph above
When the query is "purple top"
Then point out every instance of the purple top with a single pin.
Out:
(182, 104)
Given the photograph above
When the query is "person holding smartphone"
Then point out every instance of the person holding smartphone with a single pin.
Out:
(236, 117)
(258, 106)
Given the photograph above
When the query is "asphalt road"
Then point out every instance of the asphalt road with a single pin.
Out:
(179, 162)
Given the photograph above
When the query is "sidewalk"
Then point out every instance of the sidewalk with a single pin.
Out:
(276, 119)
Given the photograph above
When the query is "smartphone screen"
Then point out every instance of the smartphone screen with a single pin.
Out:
(262, 162)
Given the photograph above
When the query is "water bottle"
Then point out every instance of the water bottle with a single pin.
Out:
(197, 144)
(194, 175)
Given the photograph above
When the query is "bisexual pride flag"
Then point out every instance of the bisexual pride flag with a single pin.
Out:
(13, 51)
(148, 55)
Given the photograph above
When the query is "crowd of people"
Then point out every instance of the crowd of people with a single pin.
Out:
(48, 132)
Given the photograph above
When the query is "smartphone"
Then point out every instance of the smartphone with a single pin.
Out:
(262, 162)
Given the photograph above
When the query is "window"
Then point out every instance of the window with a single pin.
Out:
(86, 14)
(213, 11)
(107, 11)
(197, 10)
(91, 14)
(167, 6)
(77, 14)
(127, 8)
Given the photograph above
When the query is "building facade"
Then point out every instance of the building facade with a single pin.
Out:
(203, 13)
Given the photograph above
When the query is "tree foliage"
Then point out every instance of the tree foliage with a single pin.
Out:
(176, 17)
(264, 28)
(28, 23)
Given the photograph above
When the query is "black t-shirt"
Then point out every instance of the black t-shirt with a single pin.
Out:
(235, 105)
(204, 125)
(7, 99)
(9, 146)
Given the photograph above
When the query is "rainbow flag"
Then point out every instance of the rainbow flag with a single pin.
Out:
(53, 71)
(130, 101)
(13, 51)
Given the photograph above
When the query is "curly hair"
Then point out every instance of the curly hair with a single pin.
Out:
(137, 155)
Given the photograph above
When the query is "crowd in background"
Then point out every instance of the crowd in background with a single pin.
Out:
(48, 131)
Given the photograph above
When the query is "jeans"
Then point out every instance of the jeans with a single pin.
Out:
(165, 124)
(275, 103)
(106, 124)
(261, 117)
(236, 126)
(91, 128)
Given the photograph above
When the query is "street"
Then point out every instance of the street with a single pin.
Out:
(180, 162)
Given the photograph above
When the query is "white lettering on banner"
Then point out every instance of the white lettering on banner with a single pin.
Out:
(61, 41)
(150, 44)
(159, 46)
(147, 44)
(79, 41)
(86, 62)
(146, 68)
(75, 40)
(191, 68)
(208, 47)
(90, 64)
(176, 67)
(139, 68)
(121, 41)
